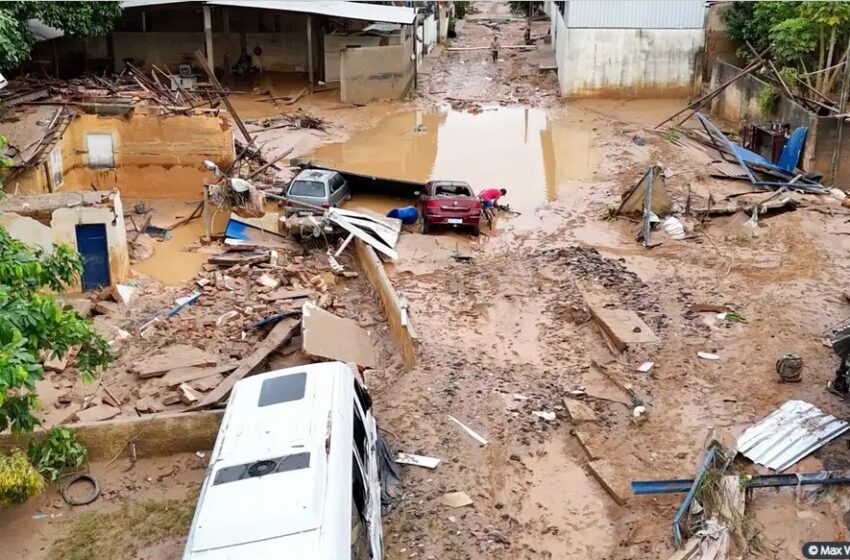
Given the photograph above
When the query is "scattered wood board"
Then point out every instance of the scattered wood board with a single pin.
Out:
(281, 294)
(579, 412)
(589, 443)
(325, 335)
(183, 375)
(173, 357)
(622, 327)
(278, 336)
(610, 479)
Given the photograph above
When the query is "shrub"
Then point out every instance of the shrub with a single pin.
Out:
(19, 481)
(58, 450)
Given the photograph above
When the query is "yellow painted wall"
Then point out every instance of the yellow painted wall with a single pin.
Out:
(155, 156)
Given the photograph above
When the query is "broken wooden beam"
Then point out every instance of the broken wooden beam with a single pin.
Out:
(280, 334)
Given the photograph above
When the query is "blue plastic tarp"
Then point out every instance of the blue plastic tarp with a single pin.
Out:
(792, 150)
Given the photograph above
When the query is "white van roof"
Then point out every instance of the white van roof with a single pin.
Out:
(299, 421)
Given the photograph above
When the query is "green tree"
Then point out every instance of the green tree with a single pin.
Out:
(76, 19)
(805, 38)
(31, 324)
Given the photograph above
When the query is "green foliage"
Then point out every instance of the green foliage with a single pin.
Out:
(76, 19)
(58, 450)
(461, 7)
(19, 481)
(803, 36)
(767, 100)
(31, 322)
(671, 135)
(522, 8)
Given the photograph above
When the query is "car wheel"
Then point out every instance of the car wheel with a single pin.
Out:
(426, 228)
(476, 230)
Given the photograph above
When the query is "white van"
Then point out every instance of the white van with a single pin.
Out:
(294, 472)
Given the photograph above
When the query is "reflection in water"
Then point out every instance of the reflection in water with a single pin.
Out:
(519, 149)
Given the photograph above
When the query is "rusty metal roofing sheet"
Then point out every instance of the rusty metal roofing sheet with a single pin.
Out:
(788, 434)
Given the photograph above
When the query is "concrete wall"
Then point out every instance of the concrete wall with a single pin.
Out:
(282, 52)
(718, 44)
(336, 43)
(443, 24)
(820, 146)
(400, 325)
(430, 32)
(154, 435)
(559, 36)
(376, 73)
(62, 227)
(156, 156)
(627, 62)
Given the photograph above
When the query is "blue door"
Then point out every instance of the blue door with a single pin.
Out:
(91, 243)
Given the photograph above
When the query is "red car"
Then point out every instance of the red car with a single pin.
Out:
(449, 203)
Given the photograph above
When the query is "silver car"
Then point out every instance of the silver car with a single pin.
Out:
(318, 188)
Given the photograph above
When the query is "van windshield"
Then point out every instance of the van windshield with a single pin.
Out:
(313, 189)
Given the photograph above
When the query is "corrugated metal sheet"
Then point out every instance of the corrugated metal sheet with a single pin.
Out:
(636, 14)
(790, 433)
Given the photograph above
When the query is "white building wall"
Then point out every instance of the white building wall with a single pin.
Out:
(629, 61)
(623, 61)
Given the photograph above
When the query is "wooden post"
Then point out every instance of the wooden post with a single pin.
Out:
(224, 97)
(310, 51)
(208, 36)
(842, 106)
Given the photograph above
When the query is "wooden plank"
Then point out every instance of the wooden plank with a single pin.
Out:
(579, 412)
(623, 327)
(173, 357)
(280, 334)
(183, 375)
(326, 335)
(616, 485)
(282, 293)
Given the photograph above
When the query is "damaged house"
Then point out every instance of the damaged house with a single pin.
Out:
(138, 149)
(366, 51)
(92, 223)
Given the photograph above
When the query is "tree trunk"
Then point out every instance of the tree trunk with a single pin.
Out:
(834, 73)
(829, 75)
(821, 65)
(806, 71)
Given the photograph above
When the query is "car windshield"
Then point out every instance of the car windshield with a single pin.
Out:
(313, 189)
(449, 189)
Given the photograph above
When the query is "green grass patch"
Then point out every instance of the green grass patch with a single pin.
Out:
(119, 535)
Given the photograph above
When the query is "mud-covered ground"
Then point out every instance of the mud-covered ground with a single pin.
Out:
(504, 329)
(508, 333)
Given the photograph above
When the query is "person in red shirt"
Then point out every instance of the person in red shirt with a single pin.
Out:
(490, 197)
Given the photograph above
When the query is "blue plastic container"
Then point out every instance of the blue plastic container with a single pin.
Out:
(407, 214)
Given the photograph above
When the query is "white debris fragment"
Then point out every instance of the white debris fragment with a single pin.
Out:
(708, 356)
(417, 460)
(519, 397)
(471, 433)
(646, 367)
(545, 415)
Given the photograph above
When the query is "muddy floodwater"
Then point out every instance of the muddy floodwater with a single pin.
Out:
(524, 150)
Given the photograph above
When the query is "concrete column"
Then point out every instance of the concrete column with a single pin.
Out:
(310, 51)
(208, 36)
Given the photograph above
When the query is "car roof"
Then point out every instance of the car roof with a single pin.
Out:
(445, 182)
(280, 414)
(315, 175)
